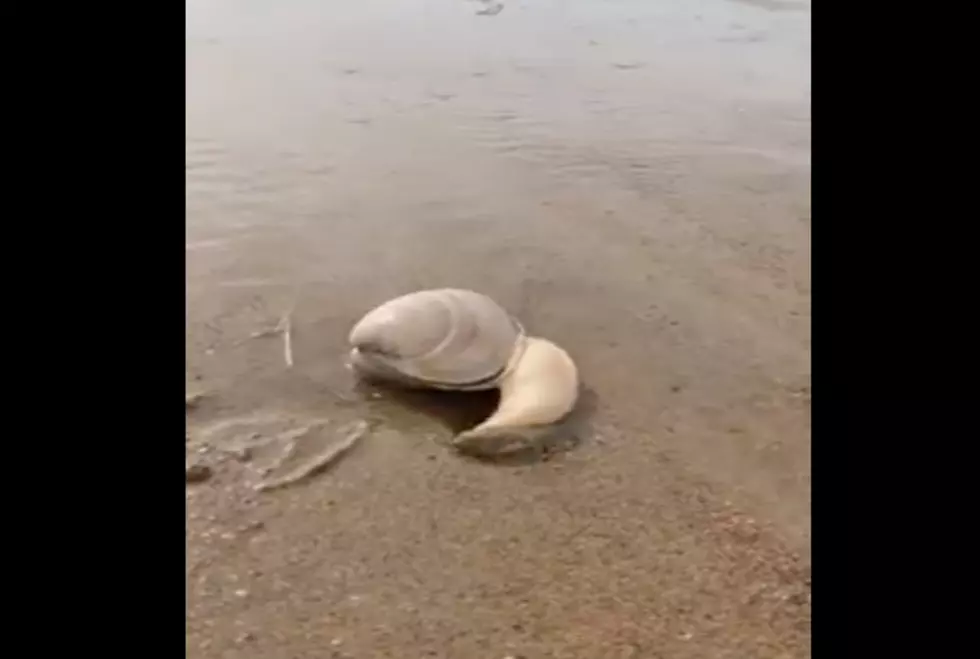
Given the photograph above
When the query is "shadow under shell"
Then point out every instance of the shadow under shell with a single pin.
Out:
(457, 410)
(463, 411)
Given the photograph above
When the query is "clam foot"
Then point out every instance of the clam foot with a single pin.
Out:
(496, 443)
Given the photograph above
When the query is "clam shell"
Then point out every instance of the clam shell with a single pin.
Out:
(442, 338)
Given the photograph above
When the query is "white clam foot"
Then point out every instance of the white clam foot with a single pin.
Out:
(498, 442)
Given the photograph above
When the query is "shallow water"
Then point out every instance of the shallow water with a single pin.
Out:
(630, 178)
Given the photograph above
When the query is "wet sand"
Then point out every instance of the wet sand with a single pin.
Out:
(632, 180)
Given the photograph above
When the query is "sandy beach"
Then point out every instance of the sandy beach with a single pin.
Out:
(630, 179)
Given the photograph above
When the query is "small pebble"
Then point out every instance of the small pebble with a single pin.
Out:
(492, 9)
(198, 473)
(241, 592)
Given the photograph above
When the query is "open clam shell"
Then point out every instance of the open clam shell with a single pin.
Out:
(443, 338)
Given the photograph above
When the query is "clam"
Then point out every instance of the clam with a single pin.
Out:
(460, 340)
